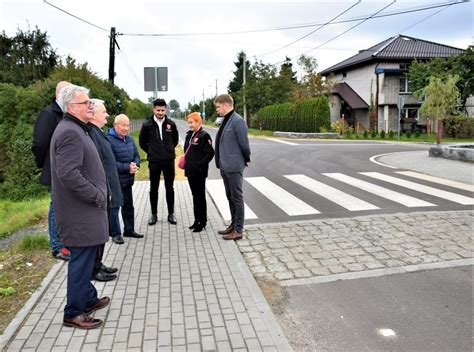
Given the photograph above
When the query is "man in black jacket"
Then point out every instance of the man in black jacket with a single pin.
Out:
(158, 138)
(45, 125)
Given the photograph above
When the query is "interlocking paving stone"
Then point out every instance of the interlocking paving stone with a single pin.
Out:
(357, 245)
(176, 290)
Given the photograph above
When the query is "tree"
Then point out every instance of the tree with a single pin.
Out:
(236, 84)
(174, 105)
(312, 84)
(26, 57)
(441, 97)
(115, 98)
(461, 65)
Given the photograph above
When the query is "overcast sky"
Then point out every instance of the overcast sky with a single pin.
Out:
(196, 62)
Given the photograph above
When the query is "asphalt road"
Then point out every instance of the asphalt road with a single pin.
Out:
(427, 311)
(273, 195)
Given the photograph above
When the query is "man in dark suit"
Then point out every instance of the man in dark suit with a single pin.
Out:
(45, 125)
(79, 189)
(232, 156)
(159, 138)
(115, 197)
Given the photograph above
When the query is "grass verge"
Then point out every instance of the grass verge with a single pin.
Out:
(23, 265)
(15, 215)
(143, 174)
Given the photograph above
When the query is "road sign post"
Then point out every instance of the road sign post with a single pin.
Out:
(156, 80)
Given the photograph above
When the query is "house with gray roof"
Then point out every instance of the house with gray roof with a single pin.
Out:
(371, 89)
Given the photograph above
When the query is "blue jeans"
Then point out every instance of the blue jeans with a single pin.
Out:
(54, 241)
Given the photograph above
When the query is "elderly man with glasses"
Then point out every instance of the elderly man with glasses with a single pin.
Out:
(79, 189)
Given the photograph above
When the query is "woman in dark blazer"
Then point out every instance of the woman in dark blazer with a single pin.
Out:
(199, 153)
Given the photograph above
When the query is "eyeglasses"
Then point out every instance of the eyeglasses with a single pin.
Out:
(86, 102)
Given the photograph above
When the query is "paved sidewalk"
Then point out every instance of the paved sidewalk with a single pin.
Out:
(176, 290)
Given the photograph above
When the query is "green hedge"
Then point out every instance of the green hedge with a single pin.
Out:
(458, 127)
(306, 116)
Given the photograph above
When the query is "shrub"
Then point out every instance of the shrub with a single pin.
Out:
(373, 134)
(458, 127)
(312, 114)
(417, 134)
(408, 134)
(382, 134)
(366, 134)
(391, 134)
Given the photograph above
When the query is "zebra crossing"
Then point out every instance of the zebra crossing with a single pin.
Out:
(291, 205)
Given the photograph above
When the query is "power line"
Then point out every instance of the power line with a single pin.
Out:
(313, 31)
(76, 17)
(388, 14)
(347, 30)
(424, 19)
(127, 65)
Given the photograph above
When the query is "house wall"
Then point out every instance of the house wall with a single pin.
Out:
(360, 80)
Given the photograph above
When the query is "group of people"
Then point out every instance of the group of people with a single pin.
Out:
(90, 175)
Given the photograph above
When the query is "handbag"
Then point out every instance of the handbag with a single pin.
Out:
(182, 158)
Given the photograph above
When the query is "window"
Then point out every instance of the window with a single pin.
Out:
(404, 67)
(344, 74)
(405, 85)
(409, 113)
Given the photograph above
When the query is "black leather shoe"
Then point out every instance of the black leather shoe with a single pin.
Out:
(103, 276)
(172, 219)
(193, 225)
(108, 269)
(132, 234)
(153, 219)
(118, 239)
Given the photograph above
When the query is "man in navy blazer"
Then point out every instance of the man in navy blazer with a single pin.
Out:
(232, 156)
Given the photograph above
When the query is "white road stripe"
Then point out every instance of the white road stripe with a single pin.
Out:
(281, 141)
(217, 191)
(283, 199)
(380, 191)
(457, 198)
(334, 195)
(442, 181)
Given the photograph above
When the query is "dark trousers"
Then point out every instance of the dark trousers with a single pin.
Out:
(235, 195)
(128, 211)
(155, 168)
(98, 259)
(198, 190)
(114, 222)
(80, 291)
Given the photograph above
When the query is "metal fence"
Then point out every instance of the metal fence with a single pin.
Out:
(136, 125)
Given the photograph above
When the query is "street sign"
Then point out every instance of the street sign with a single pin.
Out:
(156, 79)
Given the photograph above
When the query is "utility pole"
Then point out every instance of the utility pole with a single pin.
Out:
(203, 106)
(243, 86)
(113, 43)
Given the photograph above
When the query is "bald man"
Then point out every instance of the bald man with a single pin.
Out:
(45, 125)
(128, 163)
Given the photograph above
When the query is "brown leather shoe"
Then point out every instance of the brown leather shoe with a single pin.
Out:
(101, 303)
(82, 322)
(226, 231)
(234, 235)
